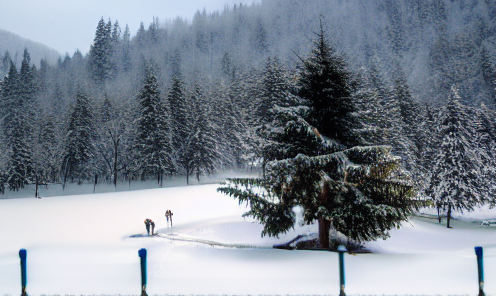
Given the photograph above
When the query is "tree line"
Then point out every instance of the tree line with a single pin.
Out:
(185, 100)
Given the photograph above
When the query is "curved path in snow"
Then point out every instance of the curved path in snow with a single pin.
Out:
(174, 236)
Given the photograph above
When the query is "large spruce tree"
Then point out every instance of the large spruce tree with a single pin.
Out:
(152, 142)
(18, 120)
(360, 191)
(325, 84)
(457, 180)
(203, 152)
(79, 151)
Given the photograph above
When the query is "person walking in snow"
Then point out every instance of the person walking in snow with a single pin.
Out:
(147, 224)
(167, 216)
(153, 226)
(170, 216)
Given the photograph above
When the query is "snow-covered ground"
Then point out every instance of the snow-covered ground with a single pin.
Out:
(88, 244)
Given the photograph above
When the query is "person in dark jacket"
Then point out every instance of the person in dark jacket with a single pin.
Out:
(147, 224)
(170, 216)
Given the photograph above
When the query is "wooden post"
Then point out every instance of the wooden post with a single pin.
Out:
(142, 255)
(23, 255)
(342, 283)
(480, 267)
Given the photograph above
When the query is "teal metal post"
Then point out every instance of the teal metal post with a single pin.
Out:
(341, 250)
(480, 267)
(23, 255)
(142, 255)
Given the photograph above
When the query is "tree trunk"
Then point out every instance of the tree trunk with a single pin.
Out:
(115, 166)
(449, 215)
(438, 214)
(324, 227)
(36, 192)
(96, 181)
(187, 174)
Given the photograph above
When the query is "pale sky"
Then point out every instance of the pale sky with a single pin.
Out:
(67, 25)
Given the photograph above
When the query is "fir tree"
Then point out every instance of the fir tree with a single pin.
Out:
(204, 147)
(325, 84)
(456, 181)
(354, 191)
(79, 151)
(179, 124)
(18, 116)
(100, 53)
(152, 143)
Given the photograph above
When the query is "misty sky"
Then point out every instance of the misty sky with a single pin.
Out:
(67, 25)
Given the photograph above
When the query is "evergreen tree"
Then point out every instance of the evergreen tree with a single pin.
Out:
(79, 152)
(48, 150)
(204, 147)
(325, 84)
(179, 124)
(152, 142)
(100, 53)
(18, 116)
(354, 191)
(457, 181)
(275, 109)
(126, 51)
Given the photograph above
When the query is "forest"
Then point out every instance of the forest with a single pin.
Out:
(196, 97)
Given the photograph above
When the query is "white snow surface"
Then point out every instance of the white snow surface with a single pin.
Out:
(88, 244)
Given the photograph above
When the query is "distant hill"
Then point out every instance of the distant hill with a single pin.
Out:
(15, 45)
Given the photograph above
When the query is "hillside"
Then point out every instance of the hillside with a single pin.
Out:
(15, 45)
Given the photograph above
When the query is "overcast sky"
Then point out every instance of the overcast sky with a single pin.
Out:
(67, 25)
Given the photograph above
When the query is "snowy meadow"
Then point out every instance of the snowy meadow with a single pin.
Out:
(88, 244)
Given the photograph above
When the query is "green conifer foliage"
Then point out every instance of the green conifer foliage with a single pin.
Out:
(79, 145)
(358, 192)
(457, 180)
(325, 84)
(152, 143)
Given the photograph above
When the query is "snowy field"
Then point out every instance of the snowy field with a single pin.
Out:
(88, 244)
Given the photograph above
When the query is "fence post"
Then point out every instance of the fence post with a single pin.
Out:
(341, 250)
(23, 255)
(480, 267)
(142, 255)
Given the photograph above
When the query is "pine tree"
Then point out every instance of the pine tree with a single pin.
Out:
(152, 143)
(18, 117)
(204, 147)
(277, 117)
(356, 191)
(79, 152)
(179, 124)
(456, 181)
(325, 84)
(48, 150)
(100, 53)
(126, 51)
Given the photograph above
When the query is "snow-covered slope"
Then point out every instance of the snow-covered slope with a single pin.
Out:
(88, 244)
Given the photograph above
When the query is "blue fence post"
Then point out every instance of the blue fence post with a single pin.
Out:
(480, 267)
(142, 255)
(23, 255)
(341, 250)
